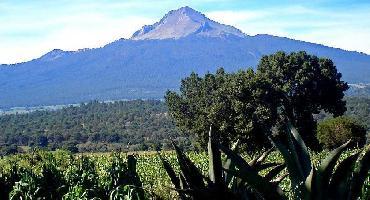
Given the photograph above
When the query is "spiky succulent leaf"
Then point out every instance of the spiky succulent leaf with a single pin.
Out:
(274, 172)
(251, 177)
(280, 178)
(302, 151)
(183, 183)
(325, 171)
(294, 167)
(191, 173)
(360, 175)
(341, 179)
(171, 173)
(263, 166)
(260, 159)
(230, 165)
(214, 155)
(131, 163)
(308, 190)
(296, 157)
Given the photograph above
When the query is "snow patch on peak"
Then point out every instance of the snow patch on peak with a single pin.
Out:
(183, 22)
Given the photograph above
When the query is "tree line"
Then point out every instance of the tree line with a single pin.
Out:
(246, 105)
(93, 126)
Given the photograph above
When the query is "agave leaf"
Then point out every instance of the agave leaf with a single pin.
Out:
(131, 164)
(251, 176)
(301, 150)
(360, 175)
(296, 157)
(340, 181)
(183, 183)
(263, 166)
(259, 159)
(263, 157)
(228, 162)
(171, 173)
(279, 179)
(214, 155)
(234, 183)
(191, 173)
(307, 191)
(183, 191)
(230, 165)
(325, 170)
(292, 164)
(274, 172)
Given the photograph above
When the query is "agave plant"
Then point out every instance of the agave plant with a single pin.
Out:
(330, 180)
(233, 179)
(239, 179)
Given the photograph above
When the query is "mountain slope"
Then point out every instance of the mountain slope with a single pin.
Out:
(153, 61)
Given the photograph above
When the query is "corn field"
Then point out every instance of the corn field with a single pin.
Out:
(61, 175)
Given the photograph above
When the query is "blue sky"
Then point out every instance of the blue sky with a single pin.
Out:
(29, 29)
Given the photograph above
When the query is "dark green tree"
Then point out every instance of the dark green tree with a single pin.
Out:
(246, 104)
(334, 132)
(304, 85)
(234, 104)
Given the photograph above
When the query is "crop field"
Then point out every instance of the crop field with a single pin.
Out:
(85, 176)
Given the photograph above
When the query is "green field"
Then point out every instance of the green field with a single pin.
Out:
(90, 174)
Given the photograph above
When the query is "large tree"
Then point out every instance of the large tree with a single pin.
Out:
(246, 104)
(234, 104)
(304, 85)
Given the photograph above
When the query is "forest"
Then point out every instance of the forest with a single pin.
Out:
(94, 126)
(122, 125)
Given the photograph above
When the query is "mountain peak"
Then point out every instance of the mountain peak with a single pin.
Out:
(183, 22)
(53, 54)
(188, 12)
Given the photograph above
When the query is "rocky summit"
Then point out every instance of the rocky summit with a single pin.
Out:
(185, 22)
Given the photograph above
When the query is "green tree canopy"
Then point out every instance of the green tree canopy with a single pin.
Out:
(336, 131)
(229, 102)
(246, 104)
(304, 85)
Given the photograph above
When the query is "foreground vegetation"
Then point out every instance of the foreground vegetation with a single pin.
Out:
(90, 175)
(240, 179)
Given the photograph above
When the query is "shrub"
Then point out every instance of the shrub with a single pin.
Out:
(335, 131)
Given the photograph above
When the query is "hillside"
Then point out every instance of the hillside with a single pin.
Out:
(122, 125)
